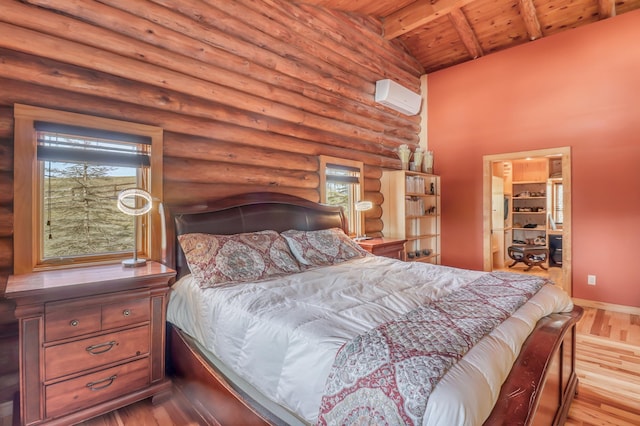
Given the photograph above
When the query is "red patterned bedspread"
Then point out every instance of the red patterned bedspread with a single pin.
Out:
(386, 375)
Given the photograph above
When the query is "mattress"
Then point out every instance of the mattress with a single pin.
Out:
(281, 336)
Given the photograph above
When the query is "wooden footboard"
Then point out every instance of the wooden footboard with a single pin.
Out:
(543, 380)
(538, 391)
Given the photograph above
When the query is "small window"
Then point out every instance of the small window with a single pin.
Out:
(557, 202)
(82, 172)
(74, 166)
(341, 185)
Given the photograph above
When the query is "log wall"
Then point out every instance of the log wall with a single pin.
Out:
(248, 92)
(8, 325)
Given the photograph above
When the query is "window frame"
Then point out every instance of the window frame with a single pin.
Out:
(28, 186)
(557, 208)
(327, 160)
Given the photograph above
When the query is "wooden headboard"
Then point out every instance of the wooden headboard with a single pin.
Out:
(242, 213)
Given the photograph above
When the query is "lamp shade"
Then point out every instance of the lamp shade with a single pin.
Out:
(135, 202)
(362, 206)
(128, 201)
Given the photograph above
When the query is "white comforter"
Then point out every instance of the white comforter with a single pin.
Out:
(282, 335)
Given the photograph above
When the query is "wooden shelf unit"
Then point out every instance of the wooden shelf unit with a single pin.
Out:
(411, 211)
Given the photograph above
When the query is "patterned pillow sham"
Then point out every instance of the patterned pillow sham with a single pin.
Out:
(323, 247)
(249, 257)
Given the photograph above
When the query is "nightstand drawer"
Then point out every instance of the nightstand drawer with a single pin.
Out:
(387, 247)
(394, 252)
(124, 313)
(62, 323)
(84, 391)
(93, 352)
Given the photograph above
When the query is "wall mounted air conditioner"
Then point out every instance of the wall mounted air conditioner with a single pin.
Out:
(397, 97)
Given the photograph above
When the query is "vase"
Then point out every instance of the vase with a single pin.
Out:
(417, 159)
(427, 162)
(404, 154)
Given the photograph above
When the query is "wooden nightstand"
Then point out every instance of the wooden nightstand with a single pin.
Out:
(92, 339)
(388, 247)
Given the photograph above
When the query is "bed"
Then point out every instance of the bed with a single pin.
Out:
(232, 383)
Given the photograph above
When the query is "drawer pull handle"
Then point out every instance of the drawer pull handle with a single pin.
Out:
(108, 381)
(74, 323)
(126, 312)
(102, 348)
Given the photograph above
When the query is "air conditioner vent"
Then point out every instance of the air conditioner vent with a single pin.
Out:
(397, 97)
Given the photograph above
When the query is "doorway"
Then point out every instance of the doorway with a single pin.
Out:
(497, 230)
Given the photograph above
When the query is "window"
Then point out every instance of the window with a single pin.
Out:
(341, 185)
(72, 168)
(557, 204)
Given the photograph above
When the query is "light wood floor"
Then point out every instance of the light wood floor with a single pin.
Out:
(608, 365)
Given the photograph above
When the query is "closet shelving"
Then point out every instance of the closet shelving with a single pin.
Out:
(529, 213)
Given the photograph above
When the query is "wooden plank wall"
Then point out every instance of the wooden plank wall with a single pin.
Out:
(249, 92)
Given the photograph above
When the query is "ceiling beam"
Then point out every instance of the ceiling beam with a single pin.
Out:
(466, 33)
(606, 8)
(417, 14)
(530, 18)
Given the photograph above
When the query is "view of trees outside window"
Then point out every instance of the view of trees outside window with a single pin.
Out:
(79, 209)
(339, 194)
(343, 194)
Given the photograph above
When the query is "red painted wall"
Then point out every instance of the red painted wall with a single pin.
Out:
(580, 88)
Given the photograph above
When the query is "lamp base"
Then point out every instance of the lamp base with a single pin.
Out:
(132, 263)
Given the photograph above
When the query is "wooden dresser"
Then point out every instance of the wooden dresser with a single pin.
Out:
(387, 247)
(92, 339)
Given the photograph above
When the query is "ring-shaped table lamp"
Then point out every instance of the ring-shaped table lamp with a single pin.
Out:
(128, 203)
(361, 206)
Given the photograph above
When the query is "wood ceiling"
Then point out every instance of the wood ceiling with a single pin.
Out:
(442, 33)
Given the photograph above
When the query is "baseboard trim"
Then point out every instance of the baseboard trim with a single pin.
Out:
(632, 310)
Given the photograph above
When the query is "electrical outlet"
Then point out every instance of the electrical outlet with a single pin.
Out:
(591, 279)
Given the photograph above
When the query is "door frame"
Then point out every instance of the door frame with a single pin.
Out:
(487, 171)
